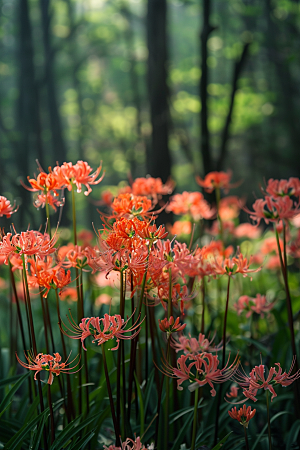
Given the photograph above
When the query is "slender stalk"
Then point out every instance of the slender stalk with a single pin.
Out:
(13, 283)
(246, 438)
(122, 309)
(203, 304)
(31, 327)
(48, 216)
(84, 353)
(287, 290)
(223, 364)
(269, 423)
(70, 409)
(218, 199)
(225, 324)
(51, 415)
(79, 299)
(112, 407)
(195, 420)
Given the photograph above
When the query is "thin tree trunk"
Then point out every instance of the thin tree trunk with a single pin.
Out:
(158, 157)
(204, 141)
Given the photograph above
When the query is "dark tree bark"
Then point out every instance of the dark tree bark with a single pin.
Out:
(158, 155)
(225, 135)
(28, 121)
(58, 143)
(204, 141)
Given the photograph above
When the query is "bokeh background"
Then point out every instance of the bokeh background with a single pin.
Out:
(166, 88)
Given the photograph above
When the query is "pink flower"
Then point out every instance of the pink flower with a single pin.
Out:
(193, 346)
(51, 364)
(258, 305)
(103, 330)
(246, 230)
(244, 415)
(257, 380)
(6, 209)
(171, 326)
(215, 180)
(272, 209)
(201, 369)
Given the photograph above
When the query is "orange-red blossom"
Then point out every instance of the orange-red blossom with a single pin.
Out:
(51, 364)
(6, 209)
(201, 369)
(243, 415)
(103, 329)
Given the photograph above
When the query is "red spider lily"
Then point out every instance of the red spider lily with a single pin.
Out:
(6, 209)
(171, 326)
(129, 444)
(201, 369)
(129, 205)
(103, 329)
(229, 207)
(193, 346)
(232, 266)
(233, 392)
(280, 188)
(51, 364)
(258, 305)
(256, 379)
(243, 415)
(79, 174)
(28, 242)
(43, 183)
(180, 227)
(107, 259)
(215, 180)
(192, 203)
(152, 187)
(73, 256)
(124, 234)
(55, 278)
(273, 209)
(151, 233)
(51, 199)
(246, 230)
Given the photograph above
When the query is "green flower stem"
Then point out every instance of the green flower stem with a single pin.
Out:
(48, 216)
(52, 427)
(195, 420)
(223, 363)
(116, 425)
(288, 296)
(70, 408)
(269, 423)
(31, 327)
(218, 199)
(203, 304)
(119, 363)
(246, 438)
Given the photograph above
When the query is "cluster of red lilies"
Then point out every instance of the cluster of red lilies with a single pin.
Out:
(153, 270)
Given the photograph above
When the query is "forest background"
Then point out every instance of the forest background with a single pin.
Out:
(167, 88)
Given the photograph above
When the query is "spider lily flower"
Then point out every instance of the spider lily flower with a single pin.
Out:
(192, 203)
(194, 346)
(256, 379)
(28, 243)
(280, 188)
(200, 369)
(219, 180)
(233, 393)
(79, 174)
(130, 444)
(170, 326)
(129, 206)
(272, 209)
(6, 209)
(51, 364)
(234, 265)
(103, 329)
(152, 187)
(243, 415)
